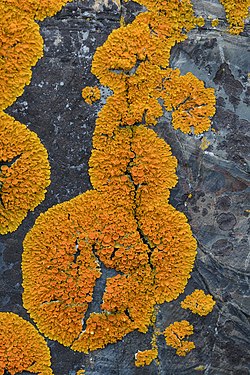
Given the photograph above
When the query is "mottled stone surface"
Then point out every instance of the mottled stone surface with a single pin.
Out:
(217, 178)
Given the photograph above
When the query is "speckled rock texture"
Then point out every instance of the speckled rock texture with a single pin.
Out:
(213, 188)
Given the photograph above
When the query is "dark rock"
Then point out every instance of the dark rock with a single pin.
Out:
(232, 87)
(222, 247)
(226, 221)
(223, 203)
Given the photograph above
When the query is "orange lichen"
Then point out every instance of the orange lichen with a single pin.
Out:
(21, 46)
(236, 12)
(146, 357)
(38, 9)
(59, 292)
(80, 372)
(150, 37)
(22, 347)
(175, 334)
(148, 40)
(199, 302)
(126, 222)
(24, 172)
(215, 22)
(103, 329)
(91, 94)
(193, 104)
(205, 143)
(174, 248)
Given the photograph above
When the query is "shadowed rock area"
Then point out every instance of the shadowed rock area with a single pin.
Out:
(213, 188)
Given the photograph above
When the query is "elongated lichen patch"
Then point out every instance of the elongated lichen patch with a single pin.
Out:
(37, 9)
(25, 171)
(126, 221)
(20, 48)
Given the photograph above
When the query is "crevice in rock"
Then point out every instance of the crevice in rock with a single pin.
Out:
(77, 252)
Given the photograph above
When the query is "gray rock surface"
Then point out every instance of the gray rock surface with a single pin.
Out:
(217, 178)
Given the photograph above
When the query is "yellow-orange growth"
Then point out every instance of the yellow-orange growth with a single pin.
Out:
(25, 170)
(236, 12)
(126, 221)
(37, 9)
(91, 94)
(24, 174)
(199, 302)
(22, 348)
(146, 357)
(21, 47)
(80, 372)
(176, 333)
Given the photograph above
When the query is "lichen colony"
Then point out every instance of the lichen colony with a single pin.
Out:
(126, 221)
